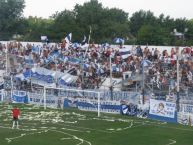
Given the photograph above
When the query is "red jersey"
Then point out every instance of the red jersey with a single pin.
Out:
(15, 112)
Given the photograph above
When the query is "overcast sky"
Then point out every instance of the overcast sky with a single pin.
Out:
(173, 8)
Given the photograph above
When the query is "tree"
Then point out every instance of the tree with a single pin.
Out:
(36, 27)
(151, 35)
(141, 18)
(63, 23)
(105, 23)
(189, 34)
(10, 15)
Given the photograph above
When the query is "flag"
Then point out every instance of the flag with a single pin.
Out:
(84, 40)
(119, 40)
(68, 38)
(36, 49)
(124, 53)
(157, 82)
(125, 109)
(76, 45)
(53, 55)
(44, 38)
(74, 60)
(89, 34)
(28, 60)
(105, 45)
(146, 62)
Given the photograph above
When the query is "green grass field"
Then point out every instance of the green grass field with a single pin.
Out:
(74, 127)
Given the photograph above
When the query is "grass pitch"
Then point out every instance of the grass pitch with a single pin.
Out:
(74, 127)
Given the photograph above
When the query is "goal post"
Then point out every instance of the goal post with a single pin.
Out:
(87, 98)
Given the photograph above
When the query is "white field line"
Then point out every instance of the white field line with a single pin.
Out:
(5, 127)
(73, 137)
(79, 127)
(11, 139)
(75, 130)
(120, 129)
(65, 138)
(171, 142)
(23, 134)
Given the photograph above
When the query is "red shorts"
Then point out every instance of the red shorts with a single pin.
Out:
(15, 118)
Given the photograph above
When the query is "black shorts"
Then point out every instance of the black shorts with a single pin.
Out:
(15, 118)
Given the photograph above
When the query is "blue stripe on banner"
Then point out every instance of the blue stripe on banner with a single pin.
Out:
(166, 119)
(19, 99)
(124, 53)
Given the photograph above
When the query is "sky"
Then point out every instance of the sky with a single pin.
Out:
(173, 8)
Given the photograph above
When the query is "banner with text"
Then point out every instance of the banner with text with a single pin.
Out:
(162, 108)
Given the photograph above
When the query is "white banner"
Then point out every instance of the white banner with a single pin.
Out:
(162, 108)
(38, 99)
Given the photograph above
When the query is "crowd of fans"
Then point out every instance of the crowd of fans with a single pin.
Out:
(91, 64)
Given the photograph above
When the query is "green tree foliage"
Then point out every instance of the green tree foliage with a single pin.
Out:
(10, 17)
(63, 23)
(106, 24)
(140, 18)
(37, 27)
(189, 34)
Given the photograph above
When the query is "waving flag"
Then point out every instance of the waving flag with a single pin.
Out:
(76, 45)
(119, 40)
(146, 62)
(68, 38)
(124, 53)
(74, 60)
(52, 56)
(84, 40)
(29, 60)
(36, 49)
(105, 45)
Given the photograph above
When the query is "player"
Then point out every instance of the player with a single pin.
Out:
(15, 114)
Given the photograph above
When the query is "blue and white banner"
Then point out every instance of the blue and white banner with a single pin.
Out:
(106, 106)
(38, 99)
(125, 52)
(53, 56)
(162, 108)
(133, 110)
(19, 97)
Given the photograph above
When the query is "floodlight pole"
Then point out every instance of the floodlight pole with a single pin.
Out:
(111, 86)
(30, 73)
(56, 78)
(44, 98)
(84, 56)
(178, 82)
(143, 85)
(178, 77)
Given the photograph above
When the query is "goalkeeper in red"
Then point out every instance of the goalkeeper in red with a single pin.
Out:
(15, 114)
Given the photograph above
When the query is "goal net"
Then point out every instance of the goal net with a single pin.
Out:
(89, 100)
